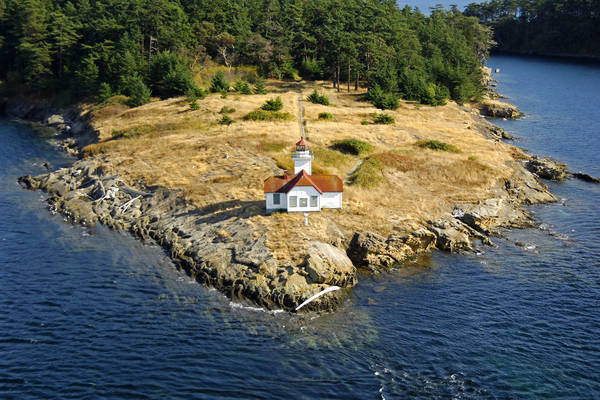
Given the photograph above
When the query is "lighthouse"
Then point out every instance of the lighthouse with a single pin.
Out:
(302, 191)
(302, 158)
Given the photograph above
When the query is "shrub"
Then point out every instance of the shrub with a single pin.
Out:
(260, 88)
(325, 115)
(224, 93)
(226, 110)
(194, 106)
(262, 115)
(219, 83)
(383, 119)
(352, 146)
(104, 93)
(242, 87)
(316, 98)
(364, 122)
(437, 145)
(134, 87)
(381, 100)
(226, 120)
(273, 104)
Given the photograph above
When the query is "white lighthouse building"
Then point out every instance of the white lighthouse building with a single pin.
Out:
(302, 191)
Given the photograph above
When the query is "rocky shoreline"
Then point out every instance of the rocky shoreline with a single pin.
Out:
(218, 245)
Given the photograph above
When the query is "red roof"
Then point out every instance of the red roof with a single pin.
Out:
(302, 142)
(323, 183)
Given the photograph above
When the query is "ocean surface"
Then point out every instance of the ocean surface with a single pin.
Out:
(95, 314)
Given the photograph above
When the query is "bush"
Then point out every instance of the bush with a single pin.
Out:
(134, 87)
(326, 116)
(273, 104)
(104, 93)
(352, 146)
(438, 146)
(226, 120)
(224, 93)
(242, 87)
(194, 106)
(364, 122)
(219, 83)
(316, 98)
(381, 100)
(262, 115)
(383, 119)
(260, 88)
(226, 110)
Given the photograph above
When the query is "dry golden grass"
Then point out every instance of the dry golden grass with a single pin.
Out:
(165, 143)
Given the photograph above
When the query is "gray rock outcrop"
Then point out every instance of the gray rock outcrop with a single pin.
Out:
(216, 245)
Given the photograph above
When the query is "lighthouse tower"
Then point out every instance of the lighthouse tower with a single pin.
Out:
(302, 158)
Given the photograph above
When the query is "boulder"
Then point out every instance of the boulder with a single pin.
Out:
(55, 119)
(451, 235)
(547, 169)
(499, 109)
(372, 251)
(330, 265)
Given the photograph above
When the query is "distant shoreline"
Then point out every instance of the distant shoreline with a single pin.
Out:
(574, 58)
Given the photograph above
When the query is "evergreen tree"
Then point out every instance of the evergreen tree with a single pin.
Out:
(33, 49)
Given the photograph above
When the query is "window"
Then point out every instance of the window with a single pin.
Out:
(276, 198)
(313, 201)
(303, 202)
(293, 201)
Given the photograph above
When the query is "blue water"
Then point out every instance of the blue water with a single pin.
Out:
(92, 314)
(425, 6)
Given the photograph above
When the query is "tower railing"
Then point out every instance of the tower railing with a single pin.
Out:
(302, 153)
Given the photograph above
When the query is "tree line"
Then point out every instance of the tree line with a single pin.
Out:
(544, 27)
(137, 47)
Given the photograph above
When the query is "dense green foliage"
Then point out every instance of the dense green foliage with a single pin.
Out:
(226, 120)
(219, 83)
(547, 27)
(383, 119)
(326, 116)
(317, 98)
(352, 146)
(437, 145)
(272, 104)
(242, 87)
(80, 46)
(260, 88)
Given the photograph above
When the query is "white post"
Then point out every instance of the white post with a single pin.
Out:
(305, 219)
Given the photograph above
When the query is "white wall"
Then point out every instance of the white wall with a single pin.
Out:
(302, 164)
(331, 200)
(282, 202)
(303, 192)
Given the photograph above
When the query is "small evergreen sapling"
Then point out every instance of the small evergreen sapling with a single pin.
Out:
(219, 83)
(260, 88)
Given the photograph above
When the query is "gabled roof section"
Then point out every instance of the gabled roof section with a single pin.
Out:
(323, 183)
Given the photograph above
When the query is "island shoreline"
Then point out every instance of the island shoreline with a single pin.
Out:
(87, 194)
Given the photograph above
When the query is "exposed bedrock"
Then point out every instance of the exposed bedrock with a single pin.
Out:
(216, 245)
(498, 109)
